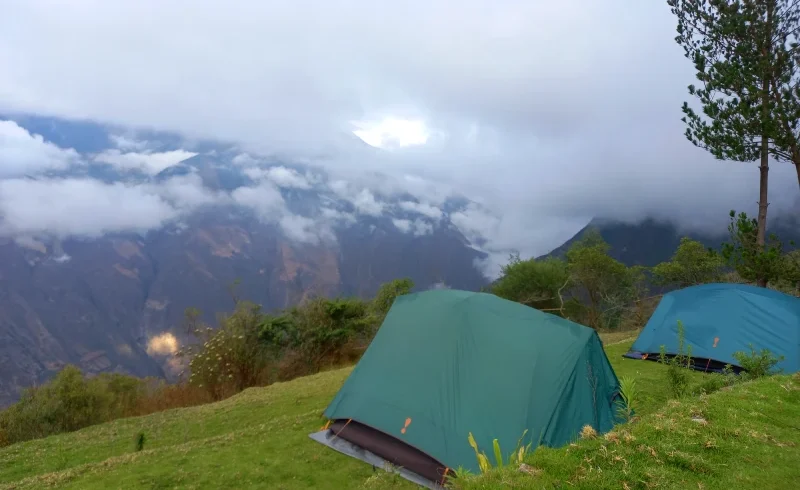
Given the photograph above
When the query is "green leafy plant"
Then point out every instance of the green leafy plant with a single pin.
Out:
(517, 456)
(712, 382)
(605, 283)
(691, 264)
(627, 389)
(754, 262)
(678, 365)
(388, 292)
(758, 364)
(535, 283)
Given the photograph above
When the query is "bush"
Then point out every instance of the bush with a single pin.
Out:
(72, 401)
(232, 357)
(251, 348)
(320, 333)
(69, 402)
(715, 381)
(387, 293)
(758, 364)
(248, 349)
(535, 283)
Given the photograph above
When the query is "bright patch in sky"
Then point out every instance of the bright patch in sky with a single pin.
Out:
(393, 133)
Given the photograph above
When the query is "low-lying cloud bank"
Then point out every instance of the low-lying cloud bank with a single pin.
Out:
(544, 114)
(35, 201)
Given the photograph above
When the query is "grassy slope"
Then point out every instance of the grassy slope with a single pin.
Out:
(746, 437)
(259, 438)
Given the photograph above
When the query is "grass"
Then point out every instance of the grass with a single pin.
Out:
(745, 437)
(259, 439)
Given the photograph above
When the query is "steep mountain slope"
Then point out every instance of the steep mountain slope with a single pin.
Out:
(109, 306)
(651, 242)
(180, 222)
(111, 296)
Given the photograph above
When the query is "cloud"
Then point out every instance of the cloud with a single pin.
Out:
(366, 203)
(244, 160)
(24, 153)
(282, 176)
(186, 193)
(403, 225)
(306, 230)
(266, 201)
(125, 143)
(89, 208)
(149, 163)
(542, 139)
(82, 207)
(417, 227)
(335, 216)
(424, 209)
(362, 199)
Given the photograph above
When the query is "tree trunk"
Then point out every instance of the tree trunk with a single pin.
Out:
(761, 236)
(797, 166)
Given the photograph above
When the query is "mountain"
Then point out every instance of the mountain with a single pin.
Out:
(126, 229)
(651, 242)
(111, 296)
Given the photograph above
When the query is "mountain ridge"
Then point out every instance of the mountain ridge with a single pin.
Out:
(112, 298)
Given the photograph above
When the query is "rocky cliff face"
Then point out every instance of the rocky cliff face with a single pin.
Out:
(116, 304)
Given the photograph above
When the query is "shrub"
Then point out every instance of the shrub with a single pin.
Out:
(69, 402)
(535, 283)
(387, 293)
(758, 364)
(321, 333)
(715, 381)
(159, 396)
(248, 349)
(232, 357)
(72, 401)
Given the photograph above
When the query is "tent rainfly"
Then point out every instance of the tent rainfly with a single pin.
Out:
(721, 319)
(447, 363)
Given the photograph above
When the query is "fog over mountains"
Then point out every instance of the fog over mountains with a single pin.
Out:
(314, 147)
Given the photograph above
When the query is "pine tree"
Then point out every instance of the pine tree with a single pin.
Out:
(739, 50)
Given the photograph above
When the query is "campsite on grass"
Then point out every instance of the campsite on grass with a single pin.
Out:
(448, 245)
(444, 381)
(446, 364)
(451, 371)
(720, 320)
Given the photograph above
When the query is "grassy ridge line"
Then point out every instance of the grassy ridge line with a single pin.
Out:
(258, 438)
(60, 478)
(38, 461)
(177, 426)
(170, 428)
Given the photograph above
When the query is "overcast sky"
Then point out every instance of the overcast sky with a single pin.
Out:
(547, 113)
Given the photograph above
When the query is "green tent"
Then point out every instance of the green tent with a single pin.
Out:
(446, 363)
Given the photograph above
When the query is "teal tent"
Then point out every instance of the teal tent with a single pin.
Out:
(720, 319)
(446, 363)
